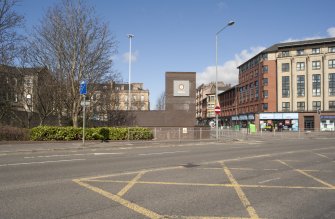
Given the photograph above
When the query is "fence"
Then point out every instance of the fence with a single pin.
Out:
(230, 134)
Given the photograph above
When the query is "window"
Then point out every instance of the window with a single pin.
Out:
(142, 98)
(256, 73)
(285, 86)
(331, 63)
(265, 56)
(256, 90)
(316, 105)
(301, 85)
(316, 85)
(286, 106)
(300, 52)
(265, 69)
(331, 49)
(265, 106)
(300, 66)
(301, 106)
(315, 50)
(265, 94)
(332, 105)
(285, 67)
(331, 85)
(16, 98)
(316, 65)
(265, 81)
(285, 53)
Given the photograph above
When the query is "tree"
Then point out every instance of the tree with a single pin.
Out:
(9, 38)
(161, 102)
(74, 45)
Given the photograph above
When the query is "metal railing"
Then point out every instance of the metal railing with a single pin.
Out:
(178, 134)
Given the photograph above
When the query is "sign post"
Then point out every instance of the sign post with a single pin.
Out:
(83, 91)
(217, 111)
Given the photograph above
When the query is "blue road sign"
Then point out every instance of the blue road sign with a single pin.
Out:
(83, 88)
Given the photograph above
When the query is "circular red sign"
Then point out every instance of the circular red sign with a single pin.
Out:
(217, 110)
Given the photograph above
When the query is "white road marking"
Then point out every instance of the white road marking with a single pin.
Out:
(98, 154)
(269, 180)
(322, 155)
(69, 155)
(41, 162)
(168, 152)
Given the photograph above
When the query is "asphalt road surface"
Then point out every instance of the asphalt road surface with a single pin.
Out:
(273, 178)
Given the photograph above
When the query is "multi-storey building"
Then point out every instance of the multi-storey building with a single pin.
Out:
(205, 100)
(114, 96)
(139, 96)
(290, 85)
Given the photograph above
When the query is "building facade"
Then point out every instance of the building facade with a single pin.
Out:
(112, 97)
(205, 101)
(286, 86)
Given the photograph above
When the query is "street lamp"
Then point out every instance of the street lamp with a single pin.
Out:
(29, 108)
(130, 36)
(230, 23)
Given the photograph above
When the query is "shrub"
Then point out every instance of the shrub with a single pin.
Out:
(49, 133)
(104, 133)
(140, 134)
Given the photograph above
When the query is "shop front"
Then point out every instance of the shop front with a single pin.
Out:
(243, 120)
(327, 123)
(279, 121)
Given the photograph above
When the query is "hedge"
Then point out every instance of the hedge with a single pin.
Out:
(51, 133)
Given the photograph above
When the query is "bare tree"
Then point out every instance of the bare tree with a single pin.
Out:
(161, 102)
(9, 38)
(74, 45)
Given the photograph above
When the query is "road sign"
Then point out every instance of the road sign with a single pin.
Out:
(83, 88)
(217, 110)
(86, 103)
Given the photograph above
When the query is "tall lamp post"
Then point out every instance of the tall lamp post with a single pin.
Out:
(230, 23)
(29, 105)
(130, 36)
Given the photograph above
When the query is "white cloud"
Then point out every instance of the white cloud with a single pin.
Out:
(306, 38)
(134, 56)
(228, 72)
(331, 31)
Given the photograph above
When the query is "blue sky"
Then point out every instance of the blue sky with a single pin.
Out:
(179, 35)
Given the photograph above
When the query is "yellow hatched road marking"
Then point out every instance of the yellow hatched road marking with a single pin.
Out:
(213, 185)
(130, 184)
(308, 175)
(240, 193)
(128, 204)
(201, 217)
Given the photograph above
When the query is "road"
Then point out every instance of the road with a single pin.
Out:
(272, 178)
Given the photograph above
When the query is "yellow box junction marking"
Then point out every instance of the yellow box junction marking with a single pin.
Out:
(130, 184)
(233, 184)
(240, 193)
(121, 201)
(212, 185)
(308, 175)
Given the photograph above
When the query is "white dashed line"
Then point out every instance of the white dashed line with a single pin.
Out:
(269, 180)
(161, 153)
(42, 162)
